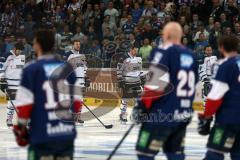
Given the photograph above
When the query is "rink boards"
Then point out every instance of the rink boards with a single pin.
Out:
(104, 88)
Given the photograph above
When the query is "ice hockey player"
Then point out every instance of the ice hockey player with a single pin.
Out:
(39, 100)
(165, 108)
(130, 80)
(78, 60)
(223, 102)
(11, 73)
(206, 70)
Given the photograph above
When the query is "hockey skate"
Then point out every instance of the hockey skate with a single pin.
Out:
(79, 121)
(9, 122)
(123, 118)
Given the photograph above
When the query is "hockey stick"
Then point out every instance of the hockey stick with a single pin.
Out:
(106, 126)
(9, 98)
(120, 142)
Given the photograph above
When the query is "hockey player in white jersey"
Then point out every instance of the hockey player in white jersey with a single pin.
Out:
(12, 70)
(79, 63)
(206, 70)
(130, 79)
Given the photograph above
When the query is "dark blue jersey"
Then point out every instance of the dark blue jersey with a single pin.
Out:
(128, 28)
(182, 73)
(226, 89)
(41, 95)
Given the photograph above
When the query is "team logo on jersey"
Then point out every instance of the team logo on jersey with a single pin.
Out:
(186, 60)
(50, 68)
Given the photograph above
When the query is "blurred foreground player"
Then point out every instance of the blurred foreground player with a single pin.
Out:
(223, 101)
(130, 80)
(43, 99)
(11, 73)
(165, 108)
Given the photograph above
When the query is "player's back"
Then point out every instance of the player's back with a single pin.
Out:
(42, 80)
(182, 72)
(228, 78)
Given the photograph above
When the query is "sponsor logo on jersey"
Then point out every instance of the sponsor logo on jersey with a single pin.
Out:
(186, 60)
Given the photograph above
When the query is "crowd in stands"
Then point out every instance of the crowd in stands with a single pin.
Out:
(104, 26)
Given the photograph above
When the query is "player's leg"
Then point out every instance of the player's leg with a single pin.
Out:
(150, 139)
(221, 141)
(174, 145)
(51, 151)
(40, 152)
(123, 108)
(65, 153)
(10, 107)
(235, 151)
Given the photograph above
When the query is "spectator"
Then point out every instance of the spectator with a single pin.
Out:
(228, 31)
(149, 10)
(78, 35)
(85, 46)
(108, 24)
(136, 13)
(231, 10)
(215, 34)
(128, 27)
(58, 39)
(7, 45)
(107, 34)
(124, 18)
(74, 5)
(91, 34)
(95, 49)
(112, 12)
(201, 29)
(145, 50)
(27, 48)
(224, 22)
(88, 14)
(66, 38)
(201, 43)
(237, 29)
(195, 22)
(210, 24)
(161, 13)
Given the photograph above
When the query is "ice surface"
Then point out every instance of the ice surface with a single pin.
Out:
(95, 142)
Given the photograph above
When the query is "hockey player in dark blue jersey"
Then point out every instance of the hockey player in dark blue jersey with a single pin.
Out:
(46, 98)
(165, 108)
(223, 101)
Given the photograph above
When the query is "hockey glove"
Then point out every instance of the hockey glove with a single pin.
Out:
(204, 126)
(139, 113)
(143, 80)
(21, 134)
(87, 81)
(3, 84)
(121, 83)
(206, 88)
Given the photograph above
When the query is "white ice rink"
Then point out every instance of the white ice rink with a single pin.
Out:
(95, 142)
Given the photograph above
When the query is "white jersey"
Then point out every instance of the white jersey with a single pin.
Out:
(206, 69)
(80, 65)
(13, 70)
(130, 70)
